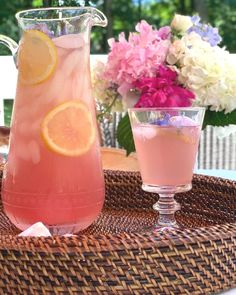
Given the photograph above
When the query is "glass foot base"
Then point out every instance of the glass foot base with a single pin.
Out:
(166, 206)
(161, 228)
(169, 232)
(166, 189)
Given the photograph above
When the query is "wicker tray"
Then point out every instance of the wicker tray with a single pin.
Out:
(118, 255)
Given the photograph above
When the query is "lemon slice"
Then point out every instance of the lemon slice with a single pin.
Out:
(68, 129)
(37, 58)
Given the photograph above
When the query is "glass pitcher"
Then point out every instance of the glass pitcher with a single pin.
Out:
(54, 173)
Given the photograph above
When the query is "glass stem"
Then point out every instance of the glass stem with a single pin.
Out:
(166, 206)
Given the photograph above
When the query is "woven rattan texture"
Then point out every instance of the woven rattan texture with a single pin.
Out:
(120, 254)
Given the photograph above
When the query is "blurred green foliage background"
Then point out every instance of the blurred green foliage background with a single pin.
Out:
(124, 14)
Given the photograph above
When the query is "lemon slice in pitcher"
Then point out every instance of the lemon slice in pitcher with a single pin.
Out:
(68, 129)
(37, 57)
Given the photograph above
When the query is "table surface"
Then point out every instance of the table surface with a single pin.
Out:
(227, 174)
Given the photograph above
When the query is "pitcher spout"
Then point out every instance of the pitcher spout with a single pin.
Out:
(98, 18)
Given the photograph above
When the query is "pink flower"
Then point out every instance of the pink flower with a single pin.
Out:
(138, 57)
(163, 91)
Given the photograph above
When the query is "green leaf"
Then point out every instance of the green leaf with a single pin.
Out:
(219, 118)
(37, 3)
(125, 135)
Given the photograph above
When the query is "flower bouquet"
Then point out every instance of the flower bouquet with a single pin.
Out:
(179, 65)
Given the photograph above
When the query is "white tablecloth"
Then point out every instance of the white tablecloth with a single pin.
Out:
(228, 174)
(230, 292)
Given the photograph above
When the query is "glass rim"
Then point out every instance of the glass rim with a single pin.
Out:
(20, 15)
(166, 109)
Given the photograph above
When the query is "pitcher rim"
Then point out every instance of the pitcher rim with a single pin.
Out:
(18, 17)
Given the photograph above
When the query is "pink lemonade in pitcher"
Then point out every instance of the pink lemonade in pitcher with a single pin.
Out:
(166, 154)
(54, 173)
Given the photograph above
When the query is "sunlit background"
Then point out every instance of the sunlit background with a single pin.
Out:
(124, 14)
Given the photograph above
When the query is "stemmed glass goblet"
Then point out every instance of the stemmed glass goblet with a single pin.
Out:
(166, 142)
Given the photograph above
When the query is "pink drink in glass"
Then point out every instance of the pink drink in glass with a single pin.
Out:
(166, 141)
(65, 193)
(166, 154)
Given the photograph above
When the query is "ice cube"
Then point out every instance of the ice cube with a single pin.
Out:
(79, 89)
(190, 134)
(22, 150)
(24, 128)
(35, 126)
(71, 41)
(150, 132)
(70, 62)
(34, 151)
(181, 121)
(27, 95)
(62, 52)
(36, 230)
(54, 90)
(145, 131)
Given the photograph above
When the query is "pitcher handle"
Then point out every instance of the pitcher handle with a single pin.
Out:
(11, 44)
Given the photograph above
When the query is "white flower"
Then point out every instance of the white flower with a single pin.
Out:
(210, 72)
(176, 52)
(99, 84)
(181, 23)
(104, 93)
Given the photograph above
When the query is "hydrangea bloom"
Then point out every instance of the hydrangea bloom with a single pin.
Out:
(207, 32)
(104, 91)
(163, 91)
(161, 68)
(138, 57)
(207, 71)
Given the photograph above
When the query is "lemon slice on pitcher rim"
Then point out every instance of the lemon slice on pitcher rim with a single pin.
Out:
(37, 57)
(68, 129)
